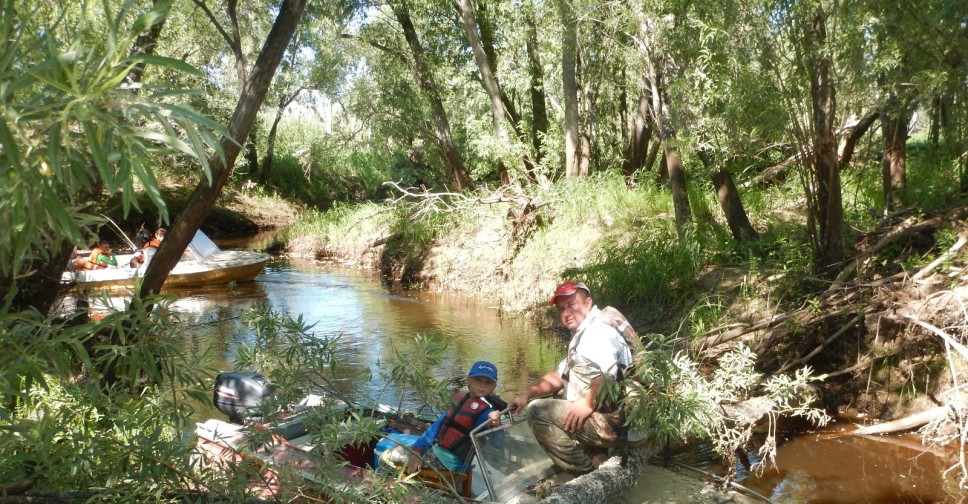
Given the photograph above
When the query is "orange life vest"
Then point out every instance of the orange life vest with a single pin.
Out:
(92, 261)
(454, 435)
(152, 243)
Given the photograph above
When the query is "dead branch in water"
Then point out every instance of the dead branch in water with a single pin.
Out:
(902, 424)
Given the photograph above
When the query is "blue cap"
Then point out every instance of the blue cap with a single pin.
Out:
(483, 369)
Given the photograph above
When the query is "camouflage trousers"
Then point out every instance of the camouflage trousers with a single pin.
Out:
(572, 451)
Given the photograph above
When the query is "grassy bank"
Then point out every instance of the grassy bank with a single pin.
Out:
(512, 249)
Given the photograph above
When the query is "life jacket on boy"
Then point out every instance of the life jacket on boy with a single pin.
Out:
(152, 243)
(454, 435)
(92, 261)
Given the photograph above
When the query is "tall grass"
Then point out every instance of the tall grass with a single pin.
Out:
(653, 273)
(345, 231)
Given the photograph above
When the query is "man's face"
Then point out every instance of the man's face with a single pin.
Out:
(572, 310)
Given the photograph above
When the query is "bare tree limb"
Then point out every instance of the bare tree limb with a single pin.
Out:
(803, 360)
(962, 240)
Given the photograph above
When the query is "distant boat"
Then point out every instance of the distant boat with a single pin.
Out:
(202, 263)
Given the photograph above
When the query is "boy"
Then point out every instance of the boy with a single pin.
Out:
(139, 258)
(447, 442)
(100, 258)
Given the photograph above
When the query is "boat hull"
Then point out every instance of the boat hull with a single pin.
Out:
(223, 267)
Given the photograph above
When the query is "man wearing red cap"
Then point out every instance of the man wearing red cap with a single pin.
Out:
(574, 433)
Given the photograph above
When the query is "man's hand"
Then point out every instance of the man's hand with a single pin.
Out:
(518, 403)
(576, 415)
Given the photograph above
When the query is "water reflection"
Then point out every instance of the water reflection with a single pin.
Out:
(821, 468)
(352, 305)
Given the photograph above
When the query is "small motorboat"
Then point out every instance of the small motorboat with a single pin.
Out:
(202, 263)
(506, 462)
(508, 466)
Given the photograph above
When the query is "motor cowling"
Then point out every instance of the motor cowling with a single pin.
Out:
(241, 394)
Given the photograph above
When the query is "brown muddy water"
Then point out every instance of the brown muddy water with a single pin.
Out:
(372, 321)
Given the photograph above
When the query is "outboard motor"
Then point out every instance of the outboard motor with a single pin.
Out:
(241, 394)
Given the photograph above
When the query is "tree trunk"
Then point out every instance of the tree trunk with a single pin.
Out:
(666, 131)
(459, 175)
(569, 85)
(539, 111)
(934, 133)
(284, 102)
(252, 159)
(640, 132)
(828, 205)
(732, 205)
(240, 125)
(148, 39)
(653, 153)
(488, 79)
(677, 183)
(894, 126)
(586, 98)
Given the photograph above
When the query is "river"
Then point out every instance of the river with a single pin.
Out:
(371, 321)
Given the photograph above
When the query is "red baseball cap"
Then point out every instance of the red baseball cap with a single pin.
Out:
(569, 288)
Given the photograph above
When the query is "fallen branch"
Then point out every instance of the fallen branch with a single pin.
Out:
(858, 366)
(719, 339)
(386, 239)
(803, 360)
(902, 424)
(905, 228)
(962, 240)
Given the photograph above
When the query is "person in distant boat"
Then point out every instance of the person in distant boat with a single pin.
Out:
(155, 241)
(446, 443)
(101, 257)
(573, 431)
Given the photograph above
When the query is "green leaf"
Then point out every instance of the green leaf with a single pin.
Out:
(98, 154)
(157, 14)
(174, 64)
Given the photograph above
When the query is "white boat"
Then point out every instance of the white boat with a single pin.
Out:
(202, 263)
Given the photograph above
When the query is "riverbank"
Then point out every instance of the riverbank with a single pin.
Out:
(512, 249)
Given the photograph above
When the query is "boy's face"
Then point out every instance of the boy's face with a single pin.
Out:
(480, 386)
